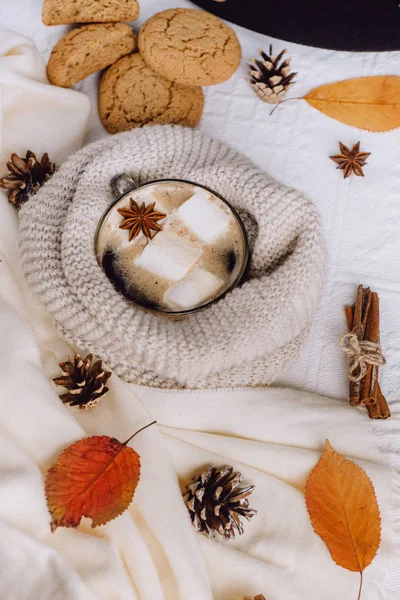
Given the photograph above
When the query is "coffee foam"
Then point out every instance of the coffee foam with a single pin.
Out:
(222, 258)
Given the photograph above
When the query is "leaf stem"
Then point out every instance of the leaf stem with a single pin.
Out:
(361, 582)
(281, 102)
(138, 431)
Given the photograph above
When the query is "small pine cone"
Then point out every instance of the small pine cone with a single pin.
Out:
(26, 176)
(216, 502)
(269, 77)
(85, 382)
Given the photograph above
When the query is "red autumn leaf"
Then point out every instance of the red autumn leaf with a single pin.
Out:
(95, 477)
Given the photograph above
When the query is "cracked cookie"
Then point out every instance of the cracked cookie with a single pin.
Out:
(132, 95)
(88, 49)
(190, 47)
(63, 12)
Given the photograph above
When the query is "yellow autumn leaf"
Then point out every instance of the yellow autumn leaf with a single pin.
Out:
(343, 510)
(371, 103)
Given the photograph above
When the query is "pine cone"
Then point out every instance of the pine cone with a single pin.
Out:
(269, 79)
(258, 597)
(85, 382)
(216, 502)
(26, 176)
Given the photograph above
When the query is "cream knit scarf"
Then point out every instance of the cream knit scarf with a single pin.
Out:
(242, 340)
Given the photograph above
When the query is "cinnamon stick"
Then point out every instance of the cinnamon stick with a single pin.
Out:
(349, 312)
(369, 387)
(379, 410)
(358, 309)
(360, 313)
(363, 319)
(366, 309)
(354, 386)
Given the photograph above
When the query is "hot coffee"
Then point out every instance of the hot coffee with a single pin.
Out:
(189, 250)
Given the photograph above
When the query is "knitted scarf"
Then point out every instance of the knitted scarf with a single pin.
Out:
(242, 340)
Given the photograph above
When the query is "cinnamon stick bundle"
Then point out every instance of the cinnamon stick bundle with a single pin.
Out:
(363, 320)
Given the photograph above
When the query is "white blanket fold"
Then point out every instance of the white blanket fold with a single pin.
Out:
(28, 102)
(151, 552)
(274, 437)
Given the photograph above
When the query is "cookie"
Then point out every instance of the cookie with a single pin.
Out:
(88, 49)
(190, 47)
(132, 95)
(63, 12)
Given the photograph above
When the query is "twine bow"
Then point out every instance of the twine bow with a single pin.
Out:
(361, 353)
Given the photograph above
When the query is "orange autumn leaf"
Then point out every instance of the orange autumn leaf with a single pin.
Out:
(343, 510)
(95, 477)
(371, 103)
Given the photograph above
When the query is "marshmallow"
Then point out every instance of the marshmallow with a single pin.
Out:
(168, 256)
(148, 196)
(114, 220)
(193, 290)
(207, 218)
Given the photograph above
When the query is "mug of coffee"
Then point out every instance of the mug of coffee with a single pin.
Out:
(172, 247)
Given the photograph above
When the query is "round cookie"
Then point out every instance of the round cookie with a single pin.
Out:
(87, 49)
(132, 95)
(190, 47)
(63, 12)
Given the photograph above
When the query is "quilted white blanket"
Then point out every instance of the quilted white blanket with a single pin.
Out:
(273, 436)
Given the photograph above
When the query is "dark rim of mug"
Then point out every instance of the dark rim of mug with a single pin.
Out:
(189, 311)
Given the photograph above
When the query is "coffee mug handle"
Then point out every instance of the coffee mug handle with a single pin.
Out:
(122, 184)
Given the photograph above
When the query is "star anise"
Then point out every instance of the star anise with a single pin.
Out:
(141, 218)
(350, 161)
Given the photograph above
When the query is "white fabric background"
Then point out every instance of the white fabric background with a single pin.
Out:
(361, 217)
(274, 437)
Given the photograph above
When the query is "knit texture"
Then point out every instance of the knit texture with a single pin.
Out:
(242, 340)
